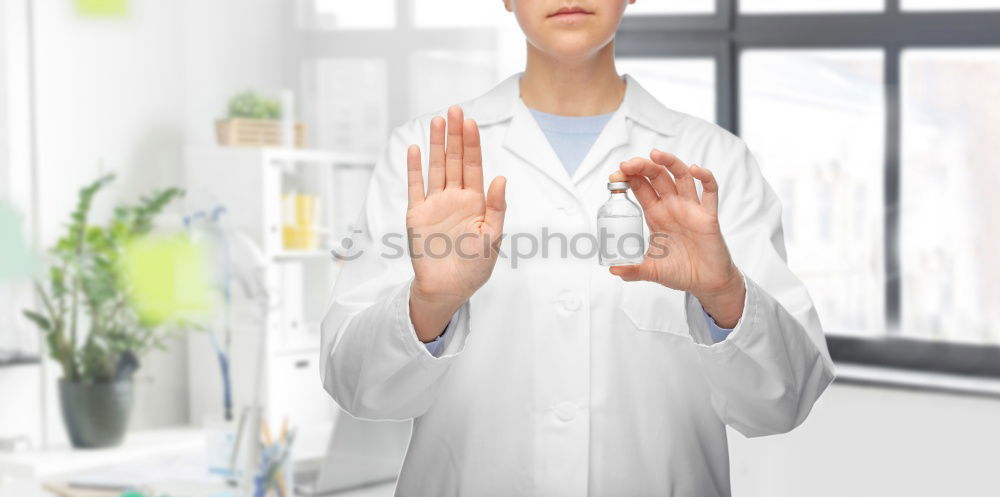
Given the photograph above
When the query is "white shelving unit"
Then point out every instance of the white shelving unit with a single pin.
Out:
(249, 183)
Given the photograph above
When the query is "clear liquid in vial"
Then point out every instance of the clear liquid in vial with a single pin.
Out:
(619, 229)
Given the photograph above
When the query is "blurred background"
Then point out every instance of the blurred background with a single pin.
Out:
(874, 120)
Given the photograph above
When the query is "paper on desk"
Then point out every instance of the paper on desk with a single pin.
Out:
(151, 473)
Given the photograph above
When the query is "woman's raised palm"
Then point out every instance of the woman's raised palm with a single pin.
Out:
(454, 229)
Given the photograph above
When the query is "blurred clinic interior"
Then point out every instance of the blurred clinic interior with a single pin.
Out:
(178, 179)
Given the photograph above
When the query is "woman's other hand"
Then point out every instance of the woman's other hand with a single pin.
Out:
(686, 250)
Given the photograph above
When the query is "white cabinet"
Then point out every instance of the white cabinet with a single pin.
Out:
(248, 184)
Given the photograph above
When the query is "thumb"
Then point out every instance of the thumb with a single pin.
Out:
(496, 204)
(627, 273)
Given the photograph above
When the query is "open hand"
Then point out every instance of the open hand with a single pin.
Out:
(454, 229)
(686, 249)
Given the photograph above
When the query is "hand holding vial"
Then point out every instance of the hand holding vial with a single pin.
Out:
(455, 230)
(686, 251)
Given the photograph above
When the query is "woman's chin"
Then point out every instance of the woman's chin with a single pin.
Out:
(574, 48)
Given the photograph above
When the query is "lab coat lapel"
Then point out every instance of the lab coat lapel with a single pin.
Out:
(527, 140)
(638, 107)
(614, 135)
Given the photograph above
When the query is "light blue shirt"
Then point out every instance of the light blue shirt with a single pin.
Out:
(571, 138)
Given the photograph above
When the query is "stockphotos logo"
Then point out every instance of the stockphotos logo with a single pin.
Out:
(514, 248)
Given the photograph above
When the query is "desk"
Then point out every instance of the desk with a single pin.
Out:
(173, 458)
(19, 488)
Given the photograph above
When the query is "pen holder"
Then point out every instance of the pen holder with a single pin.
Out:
(280, 484)
(275, 476)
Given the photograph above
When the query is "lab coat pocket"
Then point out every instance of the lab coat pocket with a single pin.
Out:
(654, 307)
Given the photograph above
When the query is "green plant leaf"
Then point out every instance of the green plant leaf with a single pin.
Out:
(251, 105)
(40, 321)
(85, 277)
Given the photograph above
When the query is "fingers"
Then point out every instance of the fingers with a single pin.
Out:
(657, 174)
(414, 176)
(643, 191)
(627, 273)
(496, 204)
(472, 157)
(454, 149)
(680, 171)
(436, 161)
(710, 188)
(640, 186)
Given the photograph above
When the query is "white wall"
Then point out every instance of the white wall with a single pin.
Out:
(15, 192)
(125, 96)
(231, 46)
(108, 98)
(864, 441)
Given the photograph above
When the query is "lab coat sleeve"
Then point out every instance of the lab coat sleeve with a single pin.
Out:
(766, 375)
(371, 362)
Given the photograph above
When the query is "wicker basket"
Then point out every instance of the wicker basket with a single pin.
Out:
(254, 133)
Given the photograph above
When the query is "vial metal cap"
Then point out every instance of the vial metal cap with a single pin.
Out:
(617, 185)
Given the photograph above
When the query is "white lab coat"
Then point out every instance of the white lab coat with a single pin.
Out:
(558, 378)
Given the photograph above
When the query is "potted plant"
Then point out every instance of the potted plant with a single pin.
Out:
(85, 288)
(254, 121)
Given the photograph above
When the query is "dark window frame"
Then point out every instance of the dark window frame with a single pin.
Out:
(726, 34)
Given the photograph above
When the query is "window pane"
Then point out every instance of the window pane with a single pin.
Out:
(338, 14)
(686, 85)
(950, 4)
(950, 210)
(660, 7)
(448, 77)
(459, 13)
(815, 122)
(804, 6)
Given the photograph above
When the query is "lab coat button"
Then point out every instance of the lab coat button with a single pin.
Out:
(566, 412)
(571, 304)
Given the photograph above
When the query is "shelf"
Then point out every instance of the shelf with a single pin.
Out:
(314, 156)
(10, 358)
(279, 155)
(298, 255)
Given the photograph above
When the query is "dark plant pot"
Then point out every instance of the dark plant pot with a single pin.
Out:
(96, 414)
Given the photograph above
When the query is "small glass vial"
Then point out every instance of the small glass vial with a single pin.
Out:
(619, 229)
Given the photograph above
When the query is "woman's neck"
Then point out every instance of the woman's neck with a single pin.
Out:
(585, 87)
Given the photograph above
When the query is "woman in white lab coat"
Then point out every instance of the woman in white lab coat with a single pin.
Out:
(527, 367)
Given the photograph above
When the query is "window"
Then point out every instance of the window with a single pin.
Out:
(654, 7)
(458, 13)
(814, 120)
(448, 77)
(811, 6)
(877, 128)
(951, 4)
(871, 137)
(338, 14)
(950, 226)
(686, 85)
